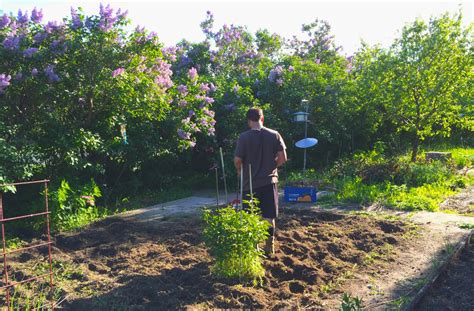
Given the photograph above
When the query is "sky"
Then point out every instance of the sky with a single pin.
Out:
(375, 22)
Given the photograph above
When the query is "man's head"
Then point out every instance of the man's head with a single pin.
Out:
(255, 117)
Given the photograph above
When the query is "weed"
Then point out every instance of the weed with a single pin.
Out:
(399, 303)
(350, 303)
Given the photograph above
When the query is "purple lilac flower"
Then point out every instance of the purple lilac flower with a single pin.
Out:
(213, 87)
(19, 76)
(39, 37)
(4, 82)
(164, 82)
(349, 67)
(170, 52)
(118, 72)
(317, 61)
(4, 21)
(76, 19)
(183, 89)
(279, 82)
(182, 103)
(209, 113)
(139, 29)
(22, 18)
(34, 72)
(51, 26)
(194, 128)
(89, 23)
(211, 131)
(121, 15)
(208, 100)
(184, 60)
(192, 144)
(192, 73)
(36, 16)
(275, 73)
(291, 68)
(236, 88)
(183, 135)
(152, 36)
(11, 43)
(204, 87)
(106, 21)
(164, 78)
(52, 76)
(28, 53)
(191, 113)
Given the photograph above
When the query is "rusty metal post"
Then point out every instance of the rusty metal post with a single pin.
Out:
(46, 207)
(5, 266)
(3, 220)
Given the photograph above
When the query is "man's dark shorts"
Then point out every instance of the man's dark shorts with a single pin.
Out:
(268, 200)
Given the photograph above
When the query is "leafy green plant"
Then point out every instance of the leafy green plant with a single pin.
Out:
(354, 190)
(75, 208)
(350, 303)
(466, 226)
(232, 237)
(419, 173)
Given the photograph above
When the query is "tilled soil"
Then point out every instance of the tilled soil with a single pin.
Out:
(454, 290)
(164, 264)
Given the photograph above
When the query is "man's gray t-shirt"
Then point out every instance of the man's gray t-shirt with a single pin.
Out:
(259, 148)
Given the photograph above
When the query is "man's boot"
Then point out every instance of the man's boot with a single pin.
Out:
(269, 247)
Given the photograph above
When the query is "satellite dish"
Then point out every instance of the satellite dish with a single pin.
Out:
(306, 143)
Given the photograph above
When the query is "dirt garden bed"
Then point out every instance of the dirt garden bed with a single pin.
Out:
(454, 289)
(115, 264)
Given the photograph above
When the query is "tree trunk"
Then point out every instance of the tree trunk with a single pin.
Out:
(414, 151)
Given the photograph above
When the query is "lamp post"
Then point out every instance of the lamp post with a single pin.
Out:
(302, 116)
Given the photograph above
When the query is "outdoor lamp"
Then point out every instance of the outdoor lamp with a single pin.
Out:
(306, 142)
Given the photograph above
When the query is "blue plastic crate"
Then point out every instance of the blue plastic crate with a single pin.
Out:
(300, 194)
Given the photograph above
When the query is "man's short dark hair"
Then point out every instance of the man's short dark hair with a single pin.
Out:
(254, 114)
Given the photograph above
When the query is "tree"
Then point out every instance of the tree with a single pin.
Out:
(427, 72)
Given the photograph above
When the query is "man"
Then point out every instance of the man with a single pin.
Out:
(264, 150)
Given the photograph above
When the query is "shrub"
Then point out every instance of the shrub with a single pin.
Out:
(75, 208)
(232, 237)
(420, 173)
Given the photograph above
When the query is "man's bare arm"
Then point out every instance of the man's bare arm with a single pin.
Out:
(281, 158)
(238, 164)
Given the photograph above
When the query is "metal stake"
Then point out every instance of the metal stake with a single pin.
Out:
(223, 175)
(250, 181)
(241, 186)
(217, 187)
(5, 271)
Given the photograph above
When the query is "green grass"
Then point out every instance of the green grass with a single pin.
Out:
(395, 182)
